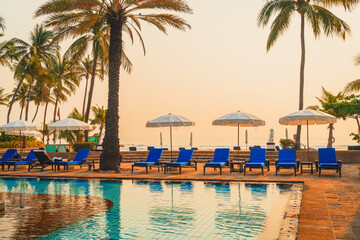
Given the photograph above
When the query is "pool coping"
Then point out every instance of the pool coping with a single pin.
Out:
(290, 221)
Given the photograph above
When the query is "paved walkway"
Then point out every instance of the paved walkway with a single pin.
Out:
(330, 206)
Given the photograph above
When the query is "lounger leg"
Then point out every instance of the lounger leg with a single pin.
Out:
(295, 170)
(180, 170)
(2, 165)
(244, 170)
(132, 169)
(147, 171)
(158, 167)
(195, 165)
(262, 170)
(8, 166)
(220, 170)
(339, 171)
(14, 167)
(204, 170)
(319, 171)
(277, 168)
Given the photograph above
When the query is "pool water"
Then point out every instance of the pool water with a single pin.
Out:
(165, 210)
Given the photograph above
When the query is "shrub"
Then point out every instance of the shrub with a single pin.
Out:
(287, 143)
(83, 145)
(18, 144)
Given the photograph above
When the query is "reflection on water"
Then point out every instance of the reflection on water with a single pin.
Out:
(158, 210)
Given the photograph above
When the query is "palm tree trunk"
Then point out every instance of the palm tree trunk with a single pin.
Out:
(86, 87)
(101, 129)
(21, 112)
(44, 121)
(91, 90)
(302, 71)
(330, 139)
(111, 157)
(56, 103)
(13, 100)
(36, 112)
(28, 102)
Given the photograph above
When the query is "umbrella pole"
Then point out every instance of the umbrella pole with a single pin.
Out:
(307, 127)
(238, 143)
(170, 144)
(22, 142)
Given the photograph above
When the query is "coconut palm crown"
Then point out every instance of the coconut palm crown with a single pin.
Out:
(122, 16)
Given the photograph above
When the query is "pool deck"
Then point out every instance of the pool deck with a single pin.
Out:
(330, 207)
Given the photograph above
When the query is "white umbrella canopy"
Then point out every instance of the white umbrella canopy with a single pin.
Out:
(69, 124)
(307, 117)
(20, 125)
(24, 133)
(239, 119)
(170, 120)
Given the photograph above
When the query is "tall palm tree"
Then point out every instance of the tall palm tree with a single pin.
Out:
(122, 17)
(4, 98)
(99, 118)
(319, 18)
(35, 54)
(328, 98)
(84, 70)
(40, 95)
(64, 79)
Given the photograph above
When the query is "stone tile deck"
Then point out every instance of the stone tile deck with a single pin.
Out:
(330, 206)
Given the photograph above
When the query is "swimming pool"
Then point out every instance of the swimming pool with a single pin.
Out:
(162, 210)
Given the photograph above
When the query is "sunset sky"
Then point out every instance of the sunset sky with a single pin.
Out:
(219, 66)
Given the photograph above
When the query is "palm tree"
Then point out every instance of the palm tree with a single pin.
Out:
(122, 17)
(41, 94)
(4, 98)
(84, 70)
(7, 53)
(34, 54)
(99, 118)
(320, 19)
(63, 78)
(328, 98)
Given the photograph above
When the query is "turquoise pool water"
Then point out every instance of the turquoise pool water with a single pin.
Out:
(164, 210)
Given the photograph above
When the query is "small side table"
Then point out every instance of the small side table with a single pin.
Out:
(232, 164)
(309, 164)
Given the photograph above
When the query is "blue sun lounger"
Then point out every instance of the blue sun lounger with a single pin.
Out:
(183, 159)
(221, 159)
(257, 160)
(328, 160)
(287, 159)
(9, 154)
(30, 158)
(152, 159)
(79, 159)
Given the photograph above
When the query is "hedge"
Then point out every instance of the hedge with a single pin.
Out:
(83, 145)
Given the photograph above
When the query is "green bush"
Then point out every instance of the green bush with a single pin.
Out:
(83, 145)
(287, 143)
(18, 144)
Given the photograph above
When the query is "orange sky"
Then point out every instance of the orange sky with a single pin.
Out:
(218, 67)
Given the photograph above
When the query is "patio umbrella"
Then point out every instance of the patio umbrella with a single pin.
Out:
(239, 119)
(69, 124)
(307, 117)
(20, 126)
(170, 120)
